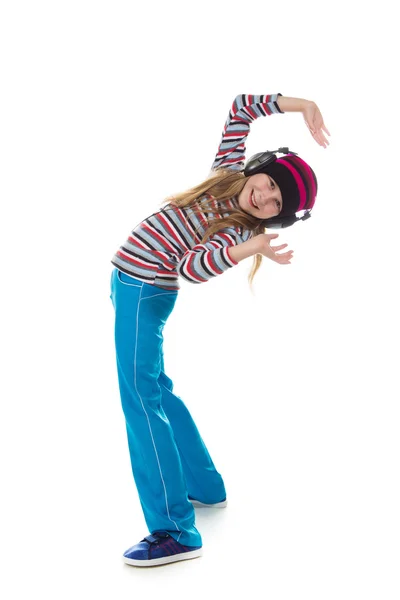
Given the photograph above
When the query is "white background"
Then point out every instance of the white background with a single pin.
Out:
(106, 108)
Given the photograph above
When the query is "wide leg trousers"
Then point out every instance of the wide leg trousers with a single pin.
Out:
(169, 459)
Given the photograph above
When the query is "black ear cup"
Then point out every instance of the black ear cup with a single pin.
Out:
(258, 162)
(282, 222)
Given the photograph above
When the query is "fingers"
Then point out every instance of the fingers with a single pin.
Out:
(285, 258)
(271, 252)
(316, 127)
(276, 248)
(310, 126)
(320, 138)
(325, 129)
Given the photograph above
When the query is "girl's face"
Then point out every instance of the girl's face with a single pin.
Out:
(261, 197)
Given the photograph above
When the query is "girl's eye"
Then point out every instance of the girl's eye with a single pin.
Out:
(278, 204)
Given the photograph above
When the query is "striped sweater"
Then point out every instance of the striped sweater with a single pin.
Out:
(168, 243)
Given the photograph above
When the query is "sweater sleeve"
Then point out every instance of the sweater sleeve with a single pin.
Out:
(204, 261)
(245, 109)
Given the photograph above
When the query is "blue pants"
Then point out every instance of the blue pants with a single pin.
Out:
(169, 459)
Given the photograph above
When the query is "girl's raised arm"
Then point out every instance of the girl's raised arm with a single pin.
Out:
(245, 109)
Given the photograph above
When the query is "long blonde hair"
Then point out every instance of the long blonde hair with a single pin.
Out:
(222, 185)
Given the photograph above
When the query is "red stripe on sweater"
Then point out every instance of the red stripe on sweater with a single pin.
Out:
(191, 271)
(267, 109)
(164, 260)
(201, 218)
(165, 272)
(212, 264)
(251, 111)
(226, 237)
(138, 243)
(159, 237)
(167, 226)
(233, 149)
(187, 225)
(237, 133)
(134, 261)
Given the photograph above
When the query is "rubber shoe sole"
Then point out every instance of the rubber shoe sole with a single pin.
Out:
(164, 560)
(198, 504)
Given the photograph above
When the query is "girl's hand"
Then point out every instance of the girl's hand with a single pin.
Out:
(315, 123)
(271, 252)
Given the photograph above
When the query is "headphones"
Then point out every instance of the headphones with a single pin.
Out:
(257, 164)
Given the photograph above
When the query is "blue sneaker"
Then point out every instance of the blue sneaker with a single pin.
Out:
(198, 504)
(159, 549)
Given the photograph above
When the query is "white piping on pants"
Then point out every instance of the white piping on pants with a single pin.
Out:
(147, 417)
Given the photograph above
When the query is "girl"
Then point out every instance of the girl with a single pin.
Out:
(198, 235)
